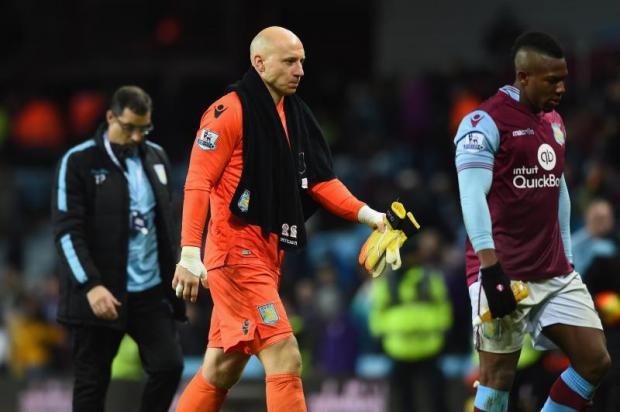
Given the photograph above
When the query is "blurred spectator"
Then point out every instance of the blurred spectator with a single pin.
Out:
(416, 110)
(603, 281)
(311, 324)
(360, 312)
(32, 339)
(463, 102)
(11, 288)
(364, 121)
(593, 240)
(411, 312)
(39, 130)
(11, 225)
(86, 109)
(500, 34)
(168, 31)
(338, 343)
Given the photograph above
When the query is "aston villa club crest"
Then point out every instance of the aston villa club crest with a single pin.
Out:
(268, 314)
(160, 171)
(244, 201)
(558, 133)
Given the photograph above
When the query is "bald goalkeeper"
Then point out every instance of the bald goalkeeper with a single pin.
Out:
(261, 164)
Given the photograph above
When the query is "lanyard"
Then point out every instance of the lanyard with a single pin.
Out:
(139, 192)
(108, 148)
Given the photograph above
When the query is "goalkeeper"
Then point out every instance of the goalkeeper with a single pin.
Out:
(260, 164)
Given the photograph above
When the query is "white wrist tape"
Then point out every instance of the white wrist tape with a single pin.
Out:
(190, 260)
(369, 216)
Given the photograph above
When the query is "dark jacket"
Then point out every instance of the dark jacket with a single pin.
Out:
(90, 213)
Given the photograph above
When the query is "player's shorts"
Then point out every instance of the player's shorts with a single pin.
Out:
(562, 299)
(248, 314)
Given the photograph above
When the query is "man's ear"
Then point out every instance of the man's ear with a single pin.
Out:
(258, 63)
(109, 116)
(523, 78)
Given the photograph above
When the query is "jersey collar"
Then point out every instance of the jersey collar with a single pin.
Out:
(511, 91)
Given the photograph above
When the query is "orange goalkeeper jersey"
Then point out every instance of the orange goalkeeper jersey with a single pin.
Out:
(214, 172)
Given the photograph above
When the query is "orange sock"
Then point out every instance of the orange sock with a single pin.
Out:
(285, 393)
(200, 396)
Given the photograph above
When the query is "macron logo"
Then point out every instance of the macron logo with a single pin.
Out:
(523, 132)
(476, 119)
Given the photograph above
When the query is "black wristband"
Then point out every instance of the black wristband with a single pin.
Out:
(497, 290)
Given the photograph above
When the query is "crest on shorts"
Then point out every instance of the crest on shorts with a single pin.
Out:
(268, 313)
(492, 330)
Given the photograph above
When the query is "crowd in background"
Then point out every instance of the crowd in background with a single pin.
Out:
(391, 138)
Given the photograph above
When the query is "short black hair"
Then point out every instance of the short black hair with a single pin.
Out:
(537, 41)
(133, 98)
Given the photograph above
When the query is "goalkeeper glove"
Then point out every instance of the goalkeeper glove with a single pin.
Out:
(497, 290)
(382, 248)
(520, 292)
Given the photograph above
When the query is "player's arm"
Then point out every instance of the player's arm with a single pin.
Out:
(212, 150)
(477, 141)
(474, 185)
(334, 196)
(564, 219)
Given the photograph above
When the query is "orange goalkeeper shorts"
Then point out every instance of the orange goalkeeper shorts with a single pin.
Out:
(248, 314)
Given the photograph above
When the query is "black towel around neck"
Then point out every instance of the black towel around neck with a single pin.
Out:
(272, 191)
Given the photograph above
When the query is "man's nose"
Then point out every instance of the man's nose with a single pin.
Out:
(137, 136)
(561, 88)
(299, 70)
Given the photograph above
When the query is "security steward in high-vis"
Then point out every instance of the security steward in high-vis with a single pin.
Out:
(411, 314)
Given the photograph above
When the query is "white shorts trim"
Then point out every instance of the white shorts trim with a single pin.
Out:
(562, 299)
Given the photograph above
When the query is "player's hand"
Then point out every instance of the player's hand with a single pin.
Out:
(383, 245)
(188, 274)
(103, 303)
(496, 286)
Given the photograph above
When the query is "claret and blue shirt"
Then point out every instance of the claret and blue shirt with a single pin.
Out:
(509, 162)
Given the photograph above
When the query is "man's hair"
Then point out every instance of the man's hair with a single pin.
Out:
(539, 42)
(133, 98)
